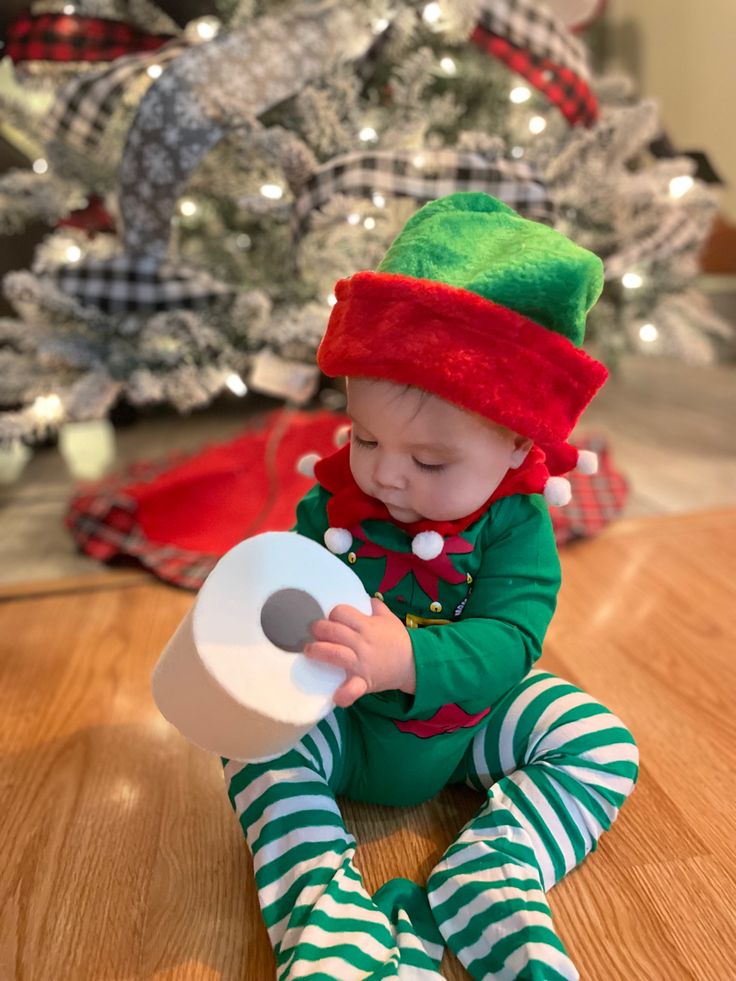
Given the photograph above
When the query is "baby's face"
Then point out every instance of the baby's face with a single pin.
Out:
(423, 457)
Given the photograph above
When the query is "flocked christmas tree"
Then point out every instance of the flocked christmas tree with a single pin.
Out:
(207, 186)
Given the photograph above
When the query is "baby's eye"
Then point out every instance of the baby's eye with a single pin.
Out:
(367, 444)
(430, 467)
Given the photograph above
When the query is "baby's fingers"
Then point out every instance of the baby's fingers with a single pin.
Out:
(341, 657)
(353, 689)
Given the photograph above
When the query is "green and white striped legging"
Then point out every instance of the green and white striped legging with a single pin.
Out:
(556, 767)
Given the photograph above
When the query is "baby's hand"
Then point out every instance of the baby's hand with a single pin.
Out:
(375, 651)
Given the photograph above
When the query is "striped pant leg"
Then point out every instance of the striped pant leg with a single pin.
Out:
(321, 921)
(557, 766)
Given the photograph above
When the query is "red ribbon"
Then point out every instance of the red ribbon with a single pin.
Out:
(68, 37)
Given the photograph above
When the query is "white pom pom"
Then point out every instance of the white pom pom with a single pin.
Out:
(427, 545)
(342, 435)
(338, 540)
(557, 491)
(305, 464)
(587, 462)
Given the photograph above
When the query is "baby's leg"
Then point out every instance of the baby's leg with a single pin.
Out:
(557, 766)
(321, 921)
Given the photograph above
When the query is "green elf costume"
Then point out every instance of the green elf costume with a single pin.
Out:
(487, 310)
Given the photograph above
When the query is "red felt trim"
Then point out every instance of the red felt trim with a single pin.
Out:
(484, 357)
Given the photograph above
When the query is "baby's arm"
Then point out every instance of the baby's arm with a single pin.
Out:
(476, 660)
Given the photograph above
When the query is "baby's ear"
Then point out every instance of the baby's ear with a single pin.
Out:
(522, 445)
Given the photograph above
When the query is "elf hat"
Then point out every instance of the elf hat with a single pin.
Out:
(485, 309)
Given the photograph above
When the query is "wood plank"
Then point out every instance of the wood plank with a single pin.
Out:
(121, 857)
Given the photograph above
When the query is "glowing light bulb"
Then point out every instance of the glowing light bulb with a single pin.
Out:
(517, 152)
(418, 160)
(519, 94)
(68, 8)
(379, 200)
(331, 300)
(154, 71)
(273, 191)
(236, 384)
(448, 65)
(380, 25)
(74, 253)
(243, 241)
(207, 28)
(48, 408)
(680, 185)
(648, 333)
(40, 166)
(367, 134)
(369, 223)
(537, 124)
(632, 280)
(188, 207)
(354, 218)
(432, 13)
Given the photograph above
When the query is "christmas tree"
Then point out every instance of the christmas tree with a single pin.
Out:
(206, 184)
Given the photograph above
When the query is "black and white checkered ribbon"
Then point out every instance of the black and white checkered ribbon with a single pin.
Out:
(676, 233)
(83, 108)
(127, 284)
(531, 25)
(423, 175)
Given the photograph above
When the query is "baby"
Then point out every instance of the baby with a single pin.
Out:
(465, 377)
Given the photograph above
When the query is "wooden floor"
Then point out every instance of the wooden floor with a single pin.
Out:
(120, 857)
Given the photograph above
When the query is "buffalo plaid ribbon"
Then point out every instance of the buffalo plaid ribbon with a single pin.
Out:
(136, 284)
(423, 175)
(538, 46)
(68, 37)
(83, 108)
(103, 521)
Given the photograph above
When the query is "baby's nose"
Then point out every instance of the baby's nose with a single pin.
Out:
(388, 473)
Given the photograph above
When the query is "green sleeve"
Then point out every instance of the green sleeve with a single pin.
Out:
(474, 661)
(311, 514)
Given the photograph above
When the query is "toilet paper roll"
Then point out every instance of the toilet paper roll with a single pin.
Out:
(233, 679)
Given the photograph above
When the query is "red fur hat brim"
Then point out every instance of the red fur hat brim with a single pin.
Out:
(464, 348)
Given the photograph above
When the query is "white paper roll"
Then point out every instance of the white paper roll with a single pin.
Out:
(233, 678)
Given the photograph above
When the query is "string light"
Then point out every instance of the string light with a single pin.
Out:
(367, 134)
(154, 71)
(379, 200)
(273, 191)
(236, 384)
(418, 160)
(431, 13)
(648, 333)
(380, 25)
(243, 241)
(331, 300)
(47, 408)
(74, 253)
(68, 8)
(632, 280)
(517, 152)
(208, 27)
(519, 94)
(537, 124)
(448, 65)
(369, 223)
(680, 185)
(40, 166)
(188, 208)
(354, 218)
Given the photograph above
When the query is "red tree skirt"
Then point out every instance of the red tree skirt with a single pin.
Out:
(179, 515)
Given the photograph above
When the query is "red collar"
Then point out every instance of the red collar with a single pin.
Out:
(349, 505)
